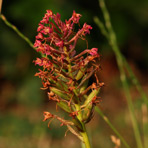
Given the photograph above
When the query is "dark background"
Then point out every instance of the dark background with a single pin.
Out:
(22, 102)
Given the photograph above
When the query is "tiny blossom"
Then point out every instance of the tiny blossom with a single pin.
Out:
(94, 51)
(37, 43)
(49, 13)
(86, 29)
(59, 44)
(39, 36)
(75, 17)
(47, 115)
(38, 61)
(41, 26)
(43, 62)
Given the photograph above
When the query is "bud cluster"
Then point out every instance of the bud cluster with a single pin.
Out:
(64, 73)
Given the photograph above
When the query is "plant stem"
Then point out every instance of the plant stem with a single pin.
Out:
(136, 82)
(16, 30)
(111, 126)
(128, 96)
(1, 1)
(85, 138)
(84, 133)
(145, 124)
(131, 74)
(113, 42)
(3, 18)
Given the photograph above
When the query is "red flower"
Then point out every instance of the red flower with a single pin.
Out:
(75, 17)
(37, 43)
(94, 51)
(38, 61)
(60, 44)
(39, 36)
(41, 26)
(86, 29)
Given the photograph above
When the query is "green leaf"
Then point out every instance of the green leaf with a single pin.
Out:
(80, 74)
(91, 96)
(64, 106)
(88, 113)
(78, 124)
(84, 85)
(60, 93)
(86, 77)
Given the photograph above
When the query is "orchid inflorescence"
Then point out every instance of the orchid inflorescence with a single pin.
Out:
(66, 74)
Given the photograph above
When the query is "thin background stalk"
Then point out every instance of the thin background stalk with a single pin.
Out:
(111, 37)
(135, 82)
(26, 39)
(16, 30)
(1, 1)
(111, 126)
(126, 65)
(145, 124)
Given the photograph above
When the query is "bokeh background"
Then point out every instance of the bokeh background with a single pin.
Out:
(22, 102)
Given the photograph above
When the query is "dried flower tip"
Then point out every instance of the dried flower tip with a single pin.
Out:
(116, 141)
(47, 115)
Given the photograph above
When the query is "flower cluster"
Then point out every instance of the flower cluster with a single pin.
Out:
(64, 73)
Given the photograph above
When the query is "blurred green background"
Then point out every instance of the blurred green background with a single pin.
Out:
(22, 102)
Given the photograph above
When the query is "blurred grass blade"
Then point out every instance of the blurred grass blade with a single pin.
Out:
(3, 18)
(113, 43)
(136, 82)
(101, 26)
(111, 126)
(145, 124)
(133, 77)
(1, 1)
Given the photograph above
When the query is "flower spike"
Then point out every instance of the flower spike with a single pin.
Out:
(64, 73)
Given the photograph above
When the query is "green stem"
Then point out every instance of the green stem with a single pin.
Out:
(84, 133)
(131, 74)
(16, 30)
(120, 62)
(111, 126)
(3, 18)
(145, 124)
(102, 27)
(1, 1)
(136, 82)
(128, 96)
(133, 77)
(85, 138)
